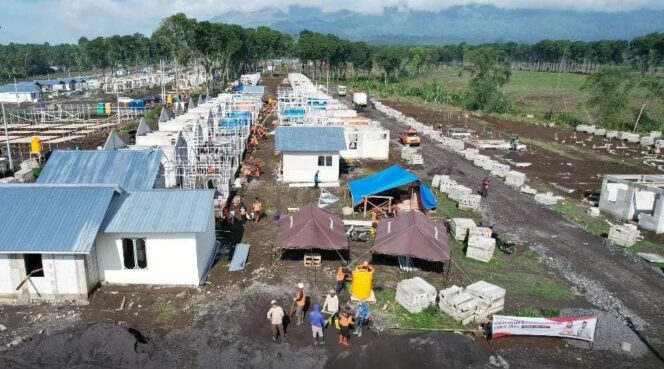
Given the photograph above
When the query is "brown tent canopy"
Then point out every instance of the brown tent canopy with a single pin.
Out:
(412, 234)
(311, 228)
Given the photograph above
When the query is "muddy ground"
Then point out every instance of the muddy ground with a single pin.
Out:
(223, 324)
(563, 157)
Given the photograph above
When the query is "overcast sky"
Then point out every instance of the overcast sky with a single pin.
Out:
(65, 20)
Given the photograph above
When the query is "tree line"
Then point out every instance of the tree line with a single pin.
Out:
(227, 50)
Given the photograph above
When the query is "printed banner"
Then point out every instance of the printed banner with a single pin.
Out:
(581, 328)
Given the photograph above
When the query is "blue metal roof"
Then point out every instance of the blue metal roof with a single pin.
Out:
(51, 218)
(130, 169)
(160, 211)
(311, 139)
(20, 87)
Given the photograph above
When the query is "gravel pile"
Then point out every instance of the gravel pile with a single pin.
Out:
(610, 333)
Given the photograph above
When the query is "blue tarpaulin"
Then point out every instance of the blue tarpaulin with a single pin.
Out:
(394, 176)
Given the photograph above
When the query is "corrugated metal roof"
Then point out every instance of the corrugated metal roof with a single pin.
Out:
(51, 218)
(130, 169)
(160, 211)
(310, 139)
(20, 87)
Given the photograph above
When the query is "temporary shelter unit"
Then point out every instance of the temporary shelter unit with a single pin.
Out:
(20, 92)
(72, 236)
(364, 189)
(171, 144)
(366, 142)
(634, 197)
(158, 237)
(311, 228)
(412, 234)
(308, 150)
(129, 169)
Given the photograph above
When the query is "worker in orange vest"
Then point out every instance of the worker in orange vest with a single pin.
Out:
(299, 300)
(365, 266)
(341, 279)
(345, 320)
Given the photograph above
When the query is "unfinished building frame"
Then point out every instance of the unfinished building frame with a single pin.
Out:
(635, 197)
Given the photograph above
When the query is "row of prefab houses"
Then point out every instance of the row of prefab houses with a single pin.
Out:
(101, 216)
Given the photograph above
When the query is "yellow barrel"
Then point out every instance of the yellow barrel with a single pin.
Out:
(169, 99)
(361, 286)
(35, 145)
(107, 108)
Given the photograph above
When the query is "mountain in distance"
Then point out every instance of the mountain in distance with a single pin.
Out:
(471, 23)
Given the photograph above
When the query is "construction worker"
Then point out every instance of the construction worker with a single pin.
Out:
(484, 191)
(365, 266)
(331, 305)
(299, 300)
(257, 207)
(345, 321)
(317, 323)
(361, 317)
(276, 317)
(316, 179)
(341, 278)
(243, 214)
(375, 214)
(394, 210)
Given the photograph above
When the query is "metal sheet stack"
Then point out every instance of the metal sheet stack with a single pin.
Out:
(473, 304)
(415, 294)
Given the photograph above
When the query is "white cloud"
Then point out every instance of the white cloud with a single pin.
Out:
(66, 20)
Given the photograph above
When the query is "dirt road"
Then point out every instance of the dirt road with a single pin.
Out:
(611, 280)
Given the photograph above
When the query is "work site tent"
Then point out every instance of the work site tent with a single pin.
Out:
(387, 179)
(412, 234)
(311, 228)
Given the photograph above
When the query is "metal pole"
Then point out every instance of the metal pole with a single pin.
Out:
(118, 95)
(9, 150)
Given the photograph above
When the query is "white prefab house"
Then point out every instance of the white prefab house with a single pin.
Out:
(59, 241)
(20, 92)
(306, 151)
(366, 142)
(158, 237)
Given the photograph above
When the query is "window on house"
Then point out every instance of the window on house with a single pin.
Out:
(384, 136)
(134, 253)
(325, 161)
(33, 262)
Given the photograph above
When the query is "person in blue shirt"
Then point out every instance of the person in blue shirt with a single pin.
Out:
(316, 179)
(317, 323)
(361, 317)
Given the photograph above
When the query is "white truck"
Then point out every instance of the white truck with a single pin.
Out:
(341, 90)
(360, 99)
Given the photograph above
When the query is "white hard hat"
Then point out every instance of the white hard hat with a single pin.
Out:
(300, 285)
(273, 302)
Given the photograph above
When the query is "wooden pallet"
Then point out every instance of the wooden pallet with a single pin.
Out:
(312, 260)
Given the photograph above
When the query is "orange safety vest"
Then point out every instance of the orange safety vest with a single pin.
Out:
(341, 275)
(299, 299)
(344, 320)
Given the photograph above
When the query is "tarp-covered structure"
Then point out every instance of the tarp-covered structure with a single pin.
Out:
(311, 228)
(387, 179)
(412, 234)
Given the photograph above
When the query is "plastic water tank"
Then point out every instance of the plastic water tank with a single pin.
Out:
(361, 286)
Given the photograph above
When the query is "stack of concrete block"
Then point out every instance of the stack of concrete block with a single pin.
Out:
(407, 152)
(460, 227)
(624, 235)
(457, 145)
(586, 128)
(29, 164)
(611, 134)
(488, 164)
(500, 170)
(659, 144)
(24, 176)
(629, 136)
(647, 141)
(469, 202)
(472, 304)
(480, 231)
(455, 192)
(415, 294)
(480, 160)
(593, 211)
(470, 154)
(546, 198)
(600, 132)
(491, 298)
(435, 182)
(656, 134)
(515, 179)
(445, 183)
(480, 248)
(527, 189)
